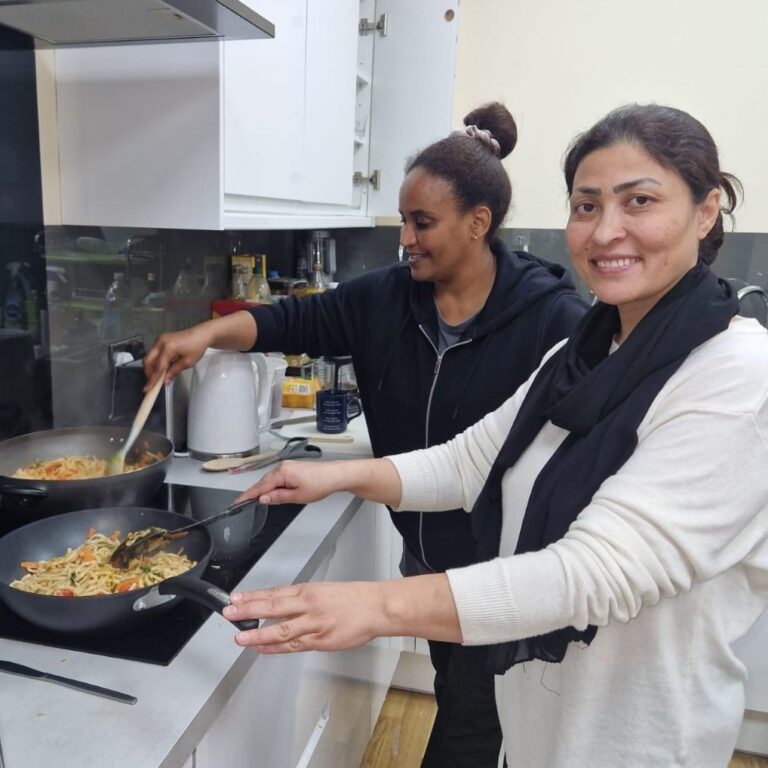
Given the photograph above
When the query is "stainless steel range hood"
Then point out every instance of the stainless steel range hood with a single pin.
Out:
(78, 23)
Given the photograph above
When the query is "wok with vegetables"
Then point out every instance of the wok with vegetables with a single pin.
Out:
(55, 459)
(121, 599)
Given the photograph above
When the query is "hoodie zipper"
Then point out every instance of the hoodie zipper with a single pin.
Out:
(435, 373)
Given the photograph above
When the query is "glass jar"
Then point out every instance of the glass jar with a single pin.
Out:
(317, 282)
(258, 289)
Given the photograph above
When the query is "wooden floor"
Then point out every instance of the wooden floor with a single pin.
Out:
(403, 727)
(402, 731)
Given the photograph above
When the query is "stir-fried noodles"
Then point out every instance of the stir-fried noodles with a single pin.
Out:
(85, 570)
(78, 467)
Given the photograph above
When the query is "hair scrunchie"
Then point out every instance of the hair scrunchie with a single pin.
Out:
(483, 135)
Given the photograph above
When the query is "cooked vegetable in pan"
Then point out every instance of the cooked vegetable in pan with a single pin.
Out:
(78, 467)
(85, 570)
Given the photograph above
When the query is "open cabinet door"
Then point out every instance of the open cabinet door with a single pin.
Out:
(412, 93)
(290, 105)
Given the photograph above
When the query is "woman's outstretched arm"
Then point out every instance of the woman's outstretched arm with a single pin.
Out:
(297, 482)
(333, 616)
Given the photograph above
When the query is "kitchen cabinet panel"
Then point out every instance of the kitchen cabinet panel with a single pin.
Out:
(412, 93)
(256, 134)
(411, 666)
(287, 125)
(359, 678)
(308, 710)
(264, 107)
(751, 650)
(272, 714)
(330, 94)
(138, 135)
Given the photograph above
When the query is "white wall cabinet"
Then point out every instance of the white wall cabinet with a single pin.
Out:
(255, 134)
(412, 93)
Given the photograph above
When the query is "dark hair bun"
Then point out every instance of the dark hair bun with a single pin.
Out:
(497, 119)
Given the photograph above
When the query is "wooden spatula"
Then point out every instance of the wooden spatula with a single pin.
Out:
(222, 465)
(117, 462)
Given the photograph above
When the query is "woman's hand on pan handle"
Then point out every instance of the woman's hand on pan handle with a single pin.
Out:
(176, 351)
(333, 616)
(302, 482)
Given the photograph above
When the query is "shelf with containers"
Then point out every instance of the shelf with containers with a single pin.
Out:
(80, 275)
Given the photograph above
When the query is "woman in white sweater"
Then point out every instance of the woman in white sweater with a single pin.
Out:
(618, 499)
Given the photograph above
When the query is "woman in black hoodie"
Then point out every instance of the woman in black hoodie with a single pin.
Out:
(437, 341)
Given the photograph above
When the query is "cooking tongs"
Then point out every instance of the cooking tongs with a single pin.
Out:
(150, 540)
(295, 448)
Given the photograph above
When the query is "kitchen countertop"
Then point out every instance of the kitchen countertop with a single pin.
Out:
(190, 472)
(44, 725)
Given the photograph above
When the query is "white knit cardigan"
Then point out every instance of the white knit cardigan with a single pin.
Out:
(669, 560)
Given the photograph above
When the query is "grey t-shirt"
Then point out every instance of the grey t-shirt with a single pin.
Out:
(448, 335)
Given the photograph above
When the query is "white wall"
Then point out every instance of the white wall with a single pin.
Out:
(559, 65)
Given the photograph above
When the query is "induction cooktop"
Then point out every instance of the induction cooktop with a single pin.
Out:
(161, 639)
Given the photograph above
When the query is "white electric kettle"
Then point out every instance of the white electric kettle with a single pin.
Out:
(225, 403)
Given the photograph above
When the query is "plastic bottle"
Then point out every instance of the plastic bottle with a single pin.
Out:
(239, 266)
(186, 284)
(14, 305)
(116, 304)
(214, 277)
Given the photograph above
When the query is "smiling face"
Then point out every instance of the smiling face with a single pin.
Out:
(435, 234)
(633, 229)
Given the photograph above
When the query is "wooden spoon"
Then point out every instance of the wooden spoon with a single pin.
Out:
(222, 465)
(117, 462)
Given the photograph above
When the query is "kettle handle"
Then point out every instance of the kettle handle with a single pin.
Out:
(263, 389)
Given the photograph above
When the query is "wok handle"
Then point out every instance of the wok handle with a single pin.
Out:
(30, 492)
(202, 592)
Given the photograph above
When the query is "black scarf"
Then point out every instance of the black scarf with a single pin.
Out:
(600, 399)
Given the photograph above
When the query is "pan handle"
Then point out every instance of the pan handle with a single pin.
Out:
(29, 492)
(202, 592)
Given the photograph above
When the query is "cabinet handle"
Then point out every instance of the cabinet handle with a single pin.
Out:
(314, 737)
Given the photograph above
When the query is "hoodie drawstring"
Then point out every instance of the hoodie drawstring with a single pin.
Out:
(468, 378)
(391, 352)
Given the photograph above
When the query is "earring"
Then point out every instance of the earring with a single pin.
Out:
(474, 238)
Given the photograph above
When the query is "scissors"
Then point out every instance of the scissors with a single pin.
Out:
(295, 448)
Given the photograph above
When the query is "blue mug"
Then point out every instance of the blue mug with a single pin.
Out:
(335, 408)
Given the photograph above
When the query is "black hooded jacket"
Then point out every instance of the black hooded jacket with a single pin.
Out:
(412, 397)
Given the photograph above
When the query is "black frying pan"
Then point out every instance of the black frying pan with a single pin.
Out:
(52, 536)
(33, 499)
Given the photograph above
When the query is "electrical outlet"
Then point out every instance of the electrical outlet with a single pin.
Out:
(133, 345)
